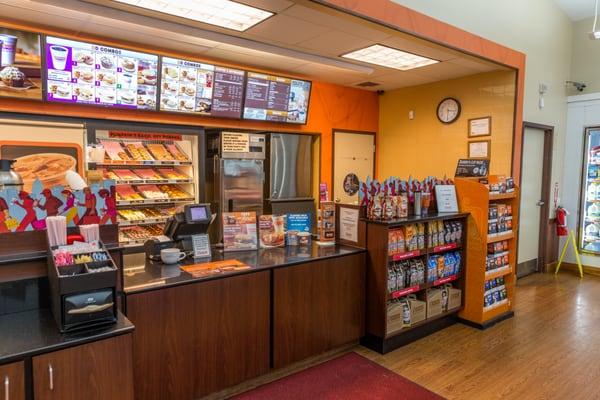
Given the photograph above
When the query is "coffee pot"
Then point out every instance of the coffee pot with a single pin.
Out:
(9, 179)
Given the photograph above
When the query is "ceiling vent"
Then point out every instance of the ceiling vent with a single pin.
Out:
(367, 84)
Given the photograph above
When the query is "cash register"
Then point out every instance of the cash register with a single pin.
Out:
(181, 229)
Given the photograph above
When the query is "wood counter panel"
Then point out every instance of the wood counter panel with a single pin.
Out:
(196, 339)
(14, 375)
(317, 306)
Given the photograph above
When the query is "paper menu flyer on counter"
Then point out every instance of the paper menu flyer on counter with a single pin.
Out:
(239, 231)
(86, 73)
(298, 222)
(271, 229)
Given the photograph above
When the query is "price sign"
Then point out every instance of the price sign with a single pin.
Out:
(201, 245)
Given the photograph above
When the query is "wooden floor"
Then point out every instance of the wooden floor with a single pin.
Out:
(549, 350)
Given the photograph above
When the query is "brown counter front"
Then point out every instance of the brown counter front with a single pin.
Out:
(199, 335)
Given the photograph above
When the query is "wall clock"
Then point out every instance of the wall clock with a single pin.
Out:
(448, 110)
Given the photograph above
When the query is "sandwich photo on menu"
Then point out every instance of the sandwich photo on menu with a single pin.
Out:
(20, 64)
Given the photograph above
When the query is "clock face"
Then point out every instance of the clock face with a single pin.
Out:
(448, 110)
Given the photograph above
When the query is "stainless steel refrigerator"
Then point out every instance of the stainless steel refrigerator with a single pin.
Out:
(235, 174)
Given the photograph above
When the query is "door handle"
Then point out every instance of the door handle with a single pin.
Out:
(6, 388)
(51, 376)
(540, 203)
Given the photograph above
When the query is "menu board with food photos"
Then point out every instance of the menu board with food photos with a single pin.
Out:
(85, 73)
(194, 87)
(275, 98)
(20, 64)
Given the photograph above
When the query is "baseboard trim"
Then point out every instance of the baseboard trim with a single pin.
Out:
(570, 267)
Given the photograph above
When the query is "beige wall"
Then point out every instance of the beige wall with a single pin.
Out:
(424, 146)
(585, 61)
(536, 27)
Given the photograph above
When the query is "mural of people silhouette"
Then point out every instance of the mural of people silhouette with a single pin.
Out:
(110, 205)
(27, 204)
(51, 204)
(70, 209)
(3, 216)
(90, 216)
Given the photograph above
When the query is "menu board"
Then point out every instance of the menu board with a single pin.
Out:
(275, 98)
(86, 73)
(20, 64)
(199, 88)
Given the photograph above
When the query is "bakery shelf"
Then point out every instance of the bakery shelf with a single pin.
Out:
(498, 272)
(147, 221)
(500, 237)
(503, 196)
(407, 255)
(151, 202)
(406, 291)
(443, 281)
(153, 181)
(133, 163)
(444, 248)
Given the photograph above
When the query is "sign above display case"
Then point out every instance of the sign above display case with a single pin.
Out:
(86, 73)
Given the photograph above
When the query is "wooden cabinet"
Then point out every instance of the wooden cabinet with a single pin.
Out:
(12, 380)
(100, 370)
(317, 307)
(196, 339)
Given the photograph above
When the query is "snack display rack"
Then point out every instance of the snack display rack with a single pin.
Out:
(491, 252)
(153, 177)
(387, 326)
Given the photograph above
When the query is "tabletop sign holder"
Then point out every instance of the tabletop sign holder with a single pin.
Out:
(472, 168)
(201, 245)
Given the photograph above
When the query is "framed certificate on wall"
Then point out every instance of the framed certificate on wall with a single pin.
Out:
(480, 127)
(479, 149)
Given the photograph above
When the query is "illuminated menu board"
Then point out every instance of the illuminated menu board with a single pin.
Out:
(199, 88)
(275, 98)
(86, 73)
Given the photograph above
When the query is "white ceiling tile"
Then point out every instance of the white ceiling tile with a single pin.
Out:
(444, 70)
(330, 74)
(287, 30)
(275, 6)
(335, 43)
(476, 64)
(420, 47)
(342, 22)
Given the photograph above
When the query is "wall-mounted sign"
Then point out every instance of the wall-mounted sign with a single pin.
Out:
(351, 184)
(233, 142)
(86, 73)
(20, 64)
(480, 127)
(469, 168)
(479, 149)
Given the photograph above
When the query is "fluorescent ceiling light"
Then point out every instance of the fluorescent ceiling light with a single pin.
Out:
(389, 57)
(224, 13)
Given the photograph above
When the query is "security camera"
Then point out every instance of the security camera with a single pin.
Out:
(578, 85)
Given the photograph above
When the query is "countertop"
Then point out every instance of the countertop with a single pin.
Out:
(414, 219)
(141, 274)
(30, 333)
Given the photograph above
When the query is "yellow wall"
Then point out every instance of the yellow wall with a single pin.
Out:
(424, 146)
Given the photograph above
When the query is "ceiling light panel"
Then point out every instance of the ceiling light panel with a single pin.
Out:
(389, 57)
(224, 13)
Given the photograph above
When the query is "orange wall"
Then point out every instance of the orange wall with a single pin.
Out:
(331, 106)
(429, 147)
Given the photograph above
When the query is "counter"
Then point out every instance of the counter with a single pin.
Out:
(30, 333)
(200, 335)
(141, 274)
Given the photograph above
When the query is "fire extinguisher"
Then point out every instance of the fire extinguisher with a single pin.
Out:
(561, 221)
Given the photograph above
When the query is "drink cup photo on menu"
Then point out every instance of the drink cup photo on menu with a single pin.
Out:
(20, 64)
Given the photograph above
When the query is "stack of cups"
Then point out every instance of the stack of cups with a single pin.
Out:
(90, 233)
(9, 49)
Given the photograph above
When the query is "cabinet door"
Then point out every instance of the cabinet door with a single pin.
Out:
(99, 370)
(317, 307)
(12, 380)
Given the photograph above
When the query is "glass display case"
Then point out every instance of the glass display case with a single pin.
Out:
(155, 173)
(589, 224)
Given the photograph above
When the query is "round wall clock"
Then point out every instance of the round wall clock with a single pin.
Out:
(448, 110)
